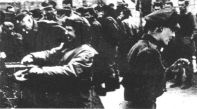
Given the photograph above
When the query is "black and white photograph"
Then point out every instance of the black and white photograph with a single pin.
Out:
(98, 54)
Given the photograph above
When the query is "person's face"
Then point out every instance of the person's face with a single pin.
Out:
(70, 33)
(67, 8)
(8, 27)
(26, 24)
(121, 14)
(100, 14)
(182, 6)
(156, 8)
(166, 35)
(168, 6)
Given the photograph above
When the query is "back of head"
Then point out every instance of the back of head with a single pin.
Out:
(36, 13)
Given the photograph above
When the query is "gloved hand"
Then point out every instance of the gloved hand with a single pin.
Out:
(181, 62)
(27, 74)
(27, 60)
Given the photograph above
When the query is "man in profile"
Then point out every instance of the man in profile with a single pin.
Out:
(145, 79)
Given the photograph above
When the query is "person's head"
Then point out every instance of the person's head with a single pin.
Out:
(36, 14)
(162, 25)
(24, 22)
(183, 5)
(49, 13)
(67, 6)
(74, 32)
(89, 13)
(157, 6)
(108, 11)
(168, 4)
(111, 5)
(8, 27)
(126, 12)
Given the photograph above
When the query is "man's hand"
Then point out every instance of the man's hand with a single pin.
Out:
(27, 60)
(35, 70)
(2, 55)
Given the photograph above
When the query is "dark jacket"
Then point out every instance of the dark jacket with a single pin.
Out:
(65, 81)
(145, 78)
(11, 44)
(45, 35)
(187, 25)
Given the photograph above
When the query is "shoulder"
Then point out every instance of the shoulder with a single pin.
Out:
(86, 48)
(141, 49)
(141, 44)
(110, 19)
(148, 52)
(96, 23)
(137, 47)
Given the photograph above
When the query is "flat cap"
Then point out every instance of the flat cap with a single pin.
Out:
(164, 17)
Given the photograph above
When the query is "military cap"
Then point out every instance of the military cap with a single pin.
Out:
(164, 17)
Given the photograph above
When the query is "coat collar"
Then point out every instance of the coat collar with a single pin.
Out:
(153, 42)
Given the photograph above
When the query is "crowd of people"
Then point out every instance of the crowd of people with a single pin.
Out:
(76, 51)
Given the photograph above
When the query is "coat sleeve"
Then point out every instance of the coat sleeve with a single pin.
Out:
(47, 57)
(78, 66)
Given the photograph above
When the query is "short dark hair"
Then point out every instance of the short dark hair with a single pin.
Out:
(36, 13)
(91, 11)
(169, 3)
(186, 2)
(67, 2)
(159, 4)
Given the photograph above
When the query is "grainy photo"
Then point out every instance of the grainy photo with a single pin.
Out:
(98, 54)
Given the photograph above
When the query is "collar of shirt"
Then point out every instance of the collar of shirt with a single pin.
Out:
(153, 42)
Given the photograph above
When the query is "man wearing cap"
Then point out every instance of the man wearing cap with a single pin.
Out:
(63, 76)
(184, 40)
(145, 79)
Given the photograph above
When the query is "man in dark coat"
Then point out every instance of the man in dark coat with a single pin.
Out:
(185, 39)
(38, 35)
(63, 78)
(145, 78)
(11, 42)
